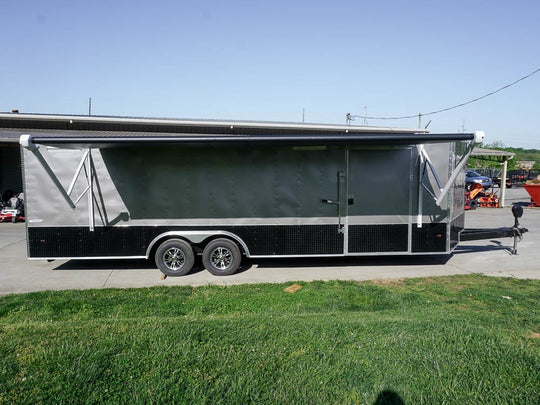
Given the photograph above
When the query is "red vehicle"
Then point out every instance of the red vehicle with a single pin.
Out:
(12, 210)
(478, 197)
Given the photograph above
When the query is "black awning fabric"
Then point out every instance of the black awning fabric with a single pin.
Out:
(108, 139)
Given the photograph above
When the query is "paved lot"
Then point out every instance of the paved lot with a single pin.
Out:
(490, 257)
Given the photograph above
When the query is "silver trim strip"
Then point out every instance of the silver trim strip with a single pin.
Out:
(218, 222)
(257, 256)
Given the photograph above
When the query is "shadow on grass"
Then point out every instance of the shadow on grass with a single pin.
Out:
(388, 397)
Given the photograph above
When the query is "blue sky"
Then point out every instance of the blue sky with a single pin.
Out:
(269, 60)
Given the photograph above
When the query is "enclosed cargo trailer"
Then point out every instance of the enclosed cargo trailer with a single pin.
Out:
(173, 189)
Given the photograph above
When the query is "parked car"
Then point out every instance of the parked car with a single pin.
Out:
(473, 177)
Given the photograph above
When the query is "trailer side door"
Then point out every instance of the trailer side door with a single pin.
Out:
(378, 200)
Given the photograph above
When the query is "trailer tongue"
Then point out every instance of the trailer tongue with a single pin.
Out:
(515, 231)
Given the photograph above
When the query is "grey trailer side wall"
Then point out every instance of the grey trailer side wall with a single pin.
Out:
(278, 200)
(270, 197)
(441, 223)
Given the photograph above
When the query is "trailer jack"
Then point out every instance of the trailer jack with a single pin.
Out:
(517, 211)
(514, 231)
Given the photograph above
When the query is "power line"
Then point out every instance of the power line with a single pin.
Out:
(453, 107)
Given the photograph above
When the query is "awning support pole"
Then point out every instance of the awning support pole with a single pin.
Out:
(421, 171)
(431, 167)
(425, 162)
(77, 172)
(90, 177)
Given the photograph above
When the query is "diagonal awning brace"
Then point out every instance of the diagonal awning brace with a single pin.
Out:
(86, 160)
(425, 162)
(77, 172)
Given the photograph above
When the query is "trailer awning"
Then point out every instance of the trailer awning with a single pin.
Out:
(99, 140)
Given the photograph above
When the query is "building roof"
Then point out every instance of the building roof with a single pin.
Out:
(172, 125)
(491, 152)
(102, 131)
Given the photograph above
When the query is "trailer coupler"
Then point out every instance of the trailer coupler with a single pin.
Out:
(515, 231)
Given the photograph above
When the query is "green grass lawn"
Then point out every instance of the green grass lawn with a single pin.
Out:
(455, 340)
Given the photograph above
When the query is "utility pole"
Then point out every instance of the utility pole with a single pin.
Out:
(89, 105)
(365, 116)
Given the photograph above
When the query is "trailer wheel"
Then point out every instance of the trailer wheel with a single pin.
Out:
(221, 257)
(175, 257)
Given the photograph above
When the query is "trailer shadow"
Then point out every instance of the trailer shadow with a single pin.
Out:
(522, 203)
(496, 246)
(107, 264)
(359, 261)
(130, 264)
(247, 264)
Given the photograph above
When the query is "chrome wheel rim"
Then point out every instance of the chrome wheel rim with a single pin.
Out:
(174, 258)
(221, 258)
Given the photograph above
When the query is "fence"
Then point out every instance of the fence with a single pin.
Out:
(513, 177)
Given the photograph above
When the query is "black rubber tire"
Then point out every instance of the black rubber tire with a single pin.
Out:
(221, 257)
(175, 257)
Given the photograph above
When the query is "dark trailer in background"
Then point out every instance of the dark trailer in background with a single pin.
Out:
(105, 187)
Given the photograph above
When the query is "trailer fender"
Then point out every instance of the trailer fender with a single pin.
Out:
(196, 237)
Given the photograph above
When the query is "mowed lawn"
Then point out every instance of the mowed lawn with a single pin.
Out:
(448, 340)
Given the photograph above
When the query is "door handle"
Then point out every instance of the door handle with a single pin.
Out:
(340, 175)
